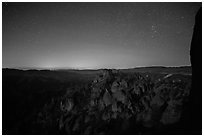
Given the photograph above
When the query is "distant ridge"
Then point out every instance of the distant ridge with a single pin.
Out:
(162, 67)
(88, 69)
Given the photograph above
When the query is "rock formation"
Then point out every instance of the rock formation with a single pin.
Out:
(118, 103)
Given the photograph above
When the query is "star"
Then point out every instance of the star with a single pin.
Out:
(154, 31)
(153, 27)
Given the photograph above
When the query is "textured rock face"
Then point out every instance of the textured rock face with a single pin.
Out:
(115, 98)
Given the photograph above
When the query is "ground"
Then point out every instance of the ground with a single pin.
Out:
(129, 101)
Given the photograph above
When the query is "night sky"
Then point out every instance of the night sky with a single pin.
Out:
(96, 35)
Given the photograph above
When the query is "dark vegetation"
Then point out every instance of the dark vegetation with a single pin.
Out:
(135, 101)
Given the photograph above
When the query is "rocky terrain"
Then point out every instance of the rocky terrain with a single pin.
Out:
(117, 103)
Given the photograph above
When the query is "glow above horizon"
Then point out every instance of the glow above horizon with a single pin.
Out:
(97, 35)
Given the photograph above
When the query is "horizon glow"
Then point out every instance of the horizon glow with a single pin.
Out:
(96, 35)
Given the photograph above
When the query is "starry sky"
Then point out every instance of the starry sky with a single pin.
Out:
(96, 35)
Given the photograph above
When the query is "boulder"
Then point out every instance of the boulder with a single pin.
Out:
(107, 99)
(114, 106)
(172, 113)
(119, 96)
(115, 86)
(66, 105)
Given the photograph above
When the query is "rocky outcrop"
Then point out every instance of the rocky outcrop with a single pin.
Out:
(119, 103)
